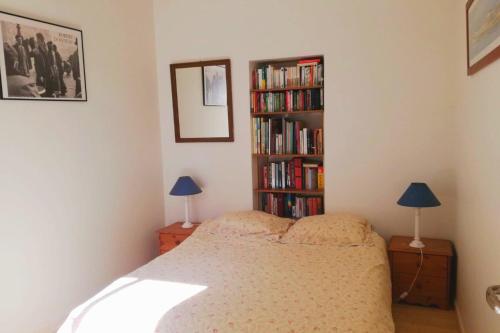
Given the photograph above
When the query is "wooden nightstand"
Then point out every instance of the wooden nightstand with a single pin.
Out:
(433, 286)
(172, 235)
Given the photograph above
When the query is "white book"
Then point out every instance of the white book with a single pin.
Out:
(283, 179)
(306, 141)
(269, 131)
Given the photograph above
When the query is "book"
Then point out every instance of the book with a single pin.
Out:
(307, 72)
(286, 101)
(309, 61)
(295, 174)
(321, 178)
(291, 205)
(281, 136)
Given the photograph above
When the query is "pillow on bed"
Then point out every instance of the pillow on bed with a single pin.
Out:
(246, 223)
(337, 229)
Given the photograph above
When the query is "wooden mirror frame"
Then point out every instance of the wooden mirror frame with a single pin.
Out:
(175, 105)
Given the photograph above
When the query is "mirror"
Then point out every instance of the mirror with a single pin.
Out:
(202, 101)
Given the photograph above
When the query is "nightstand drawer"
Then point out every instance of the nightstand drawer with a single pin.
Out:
(426, 286)
(172, 239)
(166, 247)
(173, 235)
(409, 262)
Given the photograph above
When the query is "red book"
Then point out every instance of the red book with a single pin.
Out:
(298, 173)
(309, 61)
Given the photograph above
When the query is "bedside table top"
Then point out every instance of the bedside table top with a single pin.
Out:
(439, 247)
(176, 228)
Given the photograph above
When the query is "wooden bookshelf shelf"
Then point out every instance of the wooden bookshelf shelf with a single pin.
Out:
(289, 190)
(286, 89)
(275, 131)
(287, 113)
(288, 155)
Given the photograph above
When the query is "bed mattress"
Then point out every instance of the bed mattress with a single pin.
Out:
(214, 284)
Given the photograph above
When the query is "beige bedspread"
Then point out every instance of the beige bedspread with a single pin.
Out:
(210, 284)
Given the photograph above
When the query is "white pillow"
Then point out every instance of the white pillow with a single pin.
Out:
(337, 229)
(245, 223)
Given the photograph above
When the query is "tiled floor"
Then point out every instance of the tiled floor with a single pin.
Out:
(416, 319)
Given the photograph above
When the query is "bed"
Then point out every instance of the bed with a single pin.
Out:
(218, 283)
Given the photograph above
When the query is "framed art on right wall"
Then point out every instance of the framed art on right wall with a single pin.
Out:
(483, 33)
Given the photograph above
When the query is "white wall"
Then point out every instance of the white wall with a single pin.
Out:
(388, 99)
(478, 186)
(80, 183)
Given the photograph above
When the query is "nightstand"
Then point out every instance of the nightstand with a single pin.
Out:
(433, 285)
(172, 235)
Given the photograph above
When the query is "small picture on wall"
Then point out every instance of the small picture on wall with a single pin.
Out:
(40, 61)
(214, 85)
(483, 33)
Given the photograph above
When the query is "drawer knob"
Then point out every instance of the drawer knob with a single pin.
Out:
(177, 242)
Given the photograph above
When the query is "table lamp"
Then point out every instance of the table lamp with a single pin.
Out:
(185, 187)
(418, 195)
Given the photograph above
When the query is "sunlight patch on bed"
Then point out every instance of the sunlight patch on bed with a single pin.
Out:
(129, 305)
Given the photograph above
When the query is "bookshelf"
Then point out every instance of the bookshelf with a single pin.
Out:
(287, 117)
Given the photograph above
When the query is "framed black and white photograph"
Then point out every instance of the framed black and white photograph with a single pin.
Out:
(40, 60)
(214, 85)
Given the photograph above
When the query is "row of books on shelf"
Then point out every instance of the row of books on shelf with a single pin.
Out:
(287, 101)
(294, 174)
(307, 72)
(291, 205)
(282, 136)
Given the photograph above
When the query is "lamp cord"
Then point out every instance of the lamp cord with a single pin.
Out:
(405, 294)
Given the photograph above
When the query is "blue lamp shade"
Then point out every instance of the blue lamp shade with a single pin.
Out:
(418, 195)
(185, 186)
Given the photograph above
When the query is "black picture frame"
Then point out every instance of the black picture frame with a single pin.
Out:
(49, 82)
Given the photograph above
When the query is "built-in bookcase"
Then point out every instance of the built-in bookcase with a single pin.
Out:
(287, 109)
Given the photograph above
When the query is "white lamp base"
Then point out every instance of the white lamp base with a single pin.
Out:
(417, 244)
(186, 224)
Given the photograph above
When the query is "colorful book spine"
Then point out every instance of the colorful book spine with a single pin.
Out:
(291, 205)
(294, 174)
(287, 101)
(281, 136)
(307, 72)
(321, 178)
